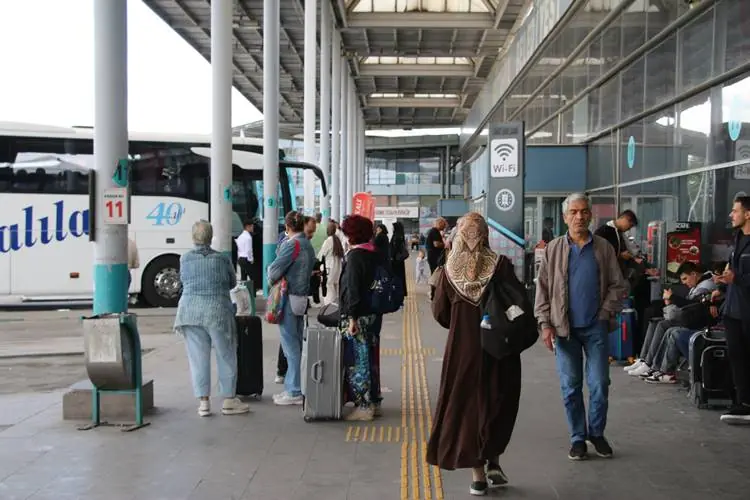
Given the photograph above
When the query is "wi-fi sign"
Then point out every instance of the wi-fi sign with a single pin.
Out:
(504, 157)
(742, 152)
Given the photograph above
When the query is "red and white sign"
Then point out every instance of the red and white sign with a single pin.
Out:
(363, 204)
(115, 206)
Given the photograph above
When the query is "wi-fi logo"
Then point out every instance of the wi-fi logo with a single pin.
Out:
(743, 152)
(505, 150)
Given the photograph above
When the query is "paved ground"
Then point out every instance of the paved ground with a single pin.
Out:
(665, 448)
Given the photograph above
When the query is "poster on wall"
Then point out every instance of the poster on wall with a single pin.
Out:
(364, 204)
(683, 240)
(506, 193)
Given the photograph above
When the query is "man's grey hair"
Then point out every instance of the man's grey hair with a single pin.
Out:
(575, 197)
(203, 232)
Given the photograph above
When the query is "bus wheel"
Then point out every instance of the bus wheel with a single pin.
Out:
(161, 282)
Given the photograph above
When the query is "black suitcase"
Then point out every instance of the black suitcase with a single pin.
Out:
(249, 356)
(710, 374)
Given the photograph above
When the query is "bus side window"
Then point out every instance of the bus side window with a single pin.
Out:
(159, 170)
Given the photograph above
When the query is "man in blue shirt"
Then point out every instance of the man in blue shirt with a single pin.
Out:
(579, 291)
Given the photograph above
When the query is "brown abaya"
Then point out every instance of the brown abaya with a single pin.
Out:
(479, 395)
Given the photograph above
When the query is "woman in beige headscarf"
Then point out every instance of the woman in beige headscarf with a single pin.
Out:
(478, 400)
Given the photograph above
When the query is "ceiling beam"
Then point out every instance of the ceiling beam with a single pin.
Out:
(421, 20)
(413, 102)
(440, 70)
(500, 12)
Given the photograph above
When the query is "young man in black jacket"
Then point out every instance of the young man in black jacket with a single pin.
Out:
(737, 311)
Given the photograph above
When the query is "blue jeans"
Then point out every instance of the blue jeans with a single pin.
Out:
(683, 344)
(594, 342)
(198, 342)
(291, 329)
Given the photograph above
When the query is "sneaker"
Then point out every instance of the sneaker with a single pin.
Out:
(478, 488)
(495, 475)
(286, 399)
(360, 415)
(661, 378)
(234, 406)
(601, 445)
(653, 374)
(279, 379)
(641, 370)
(739, 414)
(638, 363)
(578, 451)
(204, 408)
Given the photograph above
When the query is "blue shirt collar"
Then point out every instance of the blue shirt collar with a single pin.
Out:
(588, 241)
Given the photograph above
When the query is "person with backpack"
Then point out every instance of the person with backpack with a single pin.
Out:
(360, 323)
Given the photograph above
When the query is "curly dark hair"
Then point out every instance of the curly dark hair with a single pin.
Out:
(357, 229)
(295, 221)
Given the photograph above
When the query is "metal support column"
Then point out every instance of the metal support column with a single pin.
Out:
(310, 80)
(325, 106)
(335, 198)
(345, 167)
(221, 125)
(110, 153)
(350, 134)
(362, 154)
(271, 28)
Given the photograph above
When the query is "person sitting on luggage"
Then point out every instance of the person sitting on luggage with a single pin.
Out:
(293, 262)
(205, 318)
(359, 325)
(678, 311)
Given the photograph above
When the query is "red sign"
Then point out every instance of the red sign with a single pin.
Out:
(683, 245)
(363, 204)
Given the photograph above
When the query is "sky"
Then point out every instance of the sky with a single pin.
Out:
(47, 54)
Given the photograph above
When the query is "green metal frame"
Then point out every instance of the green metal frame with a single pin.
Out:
(137, 373)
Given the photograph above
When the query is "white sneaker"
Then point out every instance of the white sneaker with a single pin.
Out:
(641, 370)
(637, 364)
(279, 379)
(286, 399)
(234, 406)
(204, 409)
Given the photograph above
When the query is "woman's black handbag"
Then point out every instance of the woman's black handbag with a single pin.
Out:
(329, 316)
(512, 327)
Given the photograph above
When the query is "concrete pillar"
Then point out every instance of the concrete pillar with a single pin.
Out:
(363, 155)
(345, 167)
(325, 106)
(110, 146)
(310, 80)
(271, 28)
(335, 126)
(221, 125)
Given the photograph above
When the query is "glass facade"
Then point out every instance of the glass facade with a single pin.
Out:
(660, 96)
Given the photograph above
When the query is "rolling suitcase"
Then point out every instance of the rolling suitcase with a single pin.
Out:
(322, 373)
(710, 374)
(621, 346)
(250, 352)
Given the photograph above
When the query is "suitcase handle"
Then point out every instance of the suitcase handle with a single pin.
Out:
(317, 372)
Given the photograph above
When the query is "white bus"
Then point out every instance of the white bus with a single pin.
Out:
(45, 252)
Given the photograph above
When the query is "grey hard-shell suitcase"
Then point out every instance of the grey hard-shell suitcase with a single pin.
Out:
(322, 373)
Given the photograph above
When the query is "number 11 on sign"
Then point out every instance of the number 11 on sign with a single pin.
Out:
(115, 206)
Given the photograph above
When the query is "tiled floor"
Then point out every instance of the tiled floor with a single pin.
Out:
(665, 449)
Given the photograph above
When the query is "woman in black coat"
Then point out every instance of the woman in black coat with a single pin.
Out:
(399, 253)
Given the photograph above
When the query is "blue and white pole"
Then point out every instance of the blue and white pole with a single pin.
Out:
(110, 155)
(271, 28)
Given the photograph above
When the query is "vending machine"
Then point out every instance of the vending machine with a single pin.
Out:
(670, 244)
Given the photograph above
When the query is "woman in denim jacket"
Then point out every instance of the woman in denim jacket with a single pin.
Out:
(295, 262)
(205, 317)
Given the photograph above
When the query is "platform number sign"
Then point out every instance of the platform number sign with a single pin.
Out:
(120, 177)
(115, 206)
(166, 214)
(504, 157)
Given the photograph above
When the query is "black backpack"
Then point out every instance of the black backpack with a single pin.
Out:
(513, 328)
